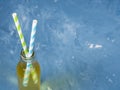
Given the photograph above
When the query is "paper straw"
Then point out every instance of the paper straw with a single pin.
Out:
(27, 74)
(32, 39)
(34, 75)
(31, 45)
(17, 24)
(27, 71)
(29, 65)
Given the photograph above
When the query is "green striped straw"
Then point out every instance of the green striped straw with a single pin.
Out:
(27, 71)
(17, 24)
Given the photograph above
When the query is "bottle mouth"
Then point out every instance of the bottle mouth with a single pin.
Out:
(26, 59)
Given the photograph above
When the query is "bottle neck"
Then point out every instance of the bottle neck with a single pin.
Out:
(26, 59)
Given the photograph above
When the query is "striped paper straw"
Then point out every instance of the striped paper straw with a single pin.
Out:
(34, 75)
(29, 65)
(17, 24)
(27, 74)
(31, 45)
(27, 71)
(32, 39)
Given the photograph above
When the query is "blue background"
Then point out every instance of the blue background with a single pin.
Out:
(77, 43)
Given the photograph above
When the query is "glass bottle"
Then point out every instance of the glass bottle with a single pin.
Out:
(21, 66)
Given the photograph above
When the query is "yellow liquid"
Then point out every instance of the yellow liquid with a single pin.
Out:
(20, 74)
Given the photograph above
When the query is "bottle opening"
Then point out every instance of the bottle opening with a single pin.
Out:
(23, 56)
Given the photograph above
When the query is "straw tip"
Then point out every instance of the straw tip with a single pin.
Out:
(35, 21)
(14, 14)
